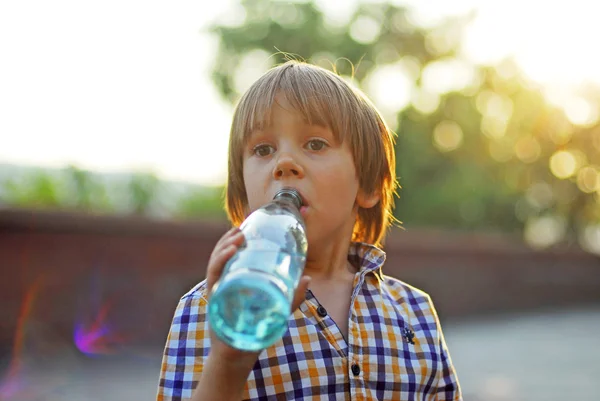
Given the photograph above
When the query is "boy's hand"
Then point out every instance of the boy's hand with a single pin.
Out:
(225, 248)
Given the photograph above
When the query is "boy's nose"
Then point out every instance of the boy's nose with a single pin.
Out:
(287, 167)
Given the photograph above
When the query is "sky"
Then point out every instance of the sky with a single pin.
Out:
(117, 86)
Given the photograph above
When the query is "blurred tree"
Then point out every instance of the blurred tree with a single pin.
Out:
(205, 203)
(143, 188)
(477, 148)
(87, 192)
(39, 189)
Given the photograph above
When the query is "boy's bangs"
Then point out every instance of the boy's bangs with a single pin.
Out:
(310, 95)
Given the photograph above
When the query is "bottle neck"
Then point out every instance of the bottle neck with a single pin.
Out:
(289, 196)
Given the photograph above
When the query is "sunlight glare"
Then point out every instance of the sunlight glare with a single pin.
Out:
(553, 43)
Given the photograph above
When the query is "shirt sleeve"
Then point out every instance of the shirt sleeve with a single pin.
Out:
(187, 346)
(448, 388)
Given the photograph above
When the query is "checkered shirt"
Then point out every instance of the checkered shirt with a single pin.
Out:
(395, 348)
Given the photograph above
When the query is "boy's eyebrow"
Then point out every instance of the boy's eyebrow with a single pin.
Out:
(252, 134)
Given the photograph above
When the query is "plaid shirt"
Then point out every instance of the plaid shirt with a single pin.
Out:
(395, 348)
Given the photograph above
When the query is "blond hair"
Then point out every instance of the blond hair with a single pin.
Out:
(322, 98)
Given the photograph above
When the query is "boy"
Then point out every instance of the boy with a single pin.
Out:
(354, 333)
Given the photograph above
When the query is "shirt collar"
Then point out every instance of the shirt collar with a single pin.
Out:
(365, 257)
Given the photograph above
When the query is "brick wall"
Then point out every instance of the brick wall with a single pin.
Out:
(129, 273)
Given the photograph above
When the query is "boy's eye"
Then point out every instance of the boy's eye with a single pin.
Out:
(316, 144)
(263, 150)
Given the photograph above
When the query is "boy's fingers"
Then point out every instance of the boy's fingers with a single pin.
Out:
(217, 263)
(224, 245)
(300, 293)
(227, 236)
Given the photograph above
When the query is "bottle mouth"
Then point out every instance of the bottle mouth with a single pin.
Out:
(290, 194)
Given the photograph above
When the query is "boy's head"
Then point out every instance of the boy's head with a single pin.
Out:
(322, 98)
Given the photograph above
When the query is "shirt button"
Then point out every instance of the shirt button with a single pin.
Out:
(322, 311)
(355, 370)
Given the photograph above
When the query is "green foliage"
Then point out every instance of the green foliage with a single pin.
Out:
(141, 193)
(307, 36)
(87, 191)
(498, 177)
(40, 190)
(206, 203)
(143, 189)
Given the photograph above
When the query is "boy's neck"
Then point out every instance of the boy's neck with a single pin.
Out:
(329, 262)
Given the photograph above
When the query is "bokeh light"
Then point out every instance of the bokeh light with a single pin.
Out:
(496, 111)
(539, 195)
(528, 149)
(494, 105)
(391, 87)
(544, 231)
(561, 132)
(588, 179)
(590, 238)
(447, 75)
(581, 112)
(447, 136)
(500, 150)
(425, 102)
(563, 164)
(365, 30)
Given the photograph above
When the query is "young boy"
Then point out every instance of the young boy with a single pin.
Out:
(354, 334)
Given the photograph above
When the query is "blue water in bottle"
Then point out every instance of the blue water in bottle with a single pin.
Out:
(250, 305)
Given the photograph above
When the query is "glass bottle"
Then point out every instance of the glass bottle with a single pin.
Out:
(250, 305)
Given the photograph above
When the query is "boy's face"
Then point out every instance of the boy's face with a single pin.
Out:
(291, 153)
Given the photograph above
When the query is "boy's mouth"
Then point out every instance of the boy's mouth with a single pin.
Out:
(304, 201)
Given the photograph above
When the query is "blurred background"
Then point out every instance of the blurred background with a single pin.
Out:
(114, 124)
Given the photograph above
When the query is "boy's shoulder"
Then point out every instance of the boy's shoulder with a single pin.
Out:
(404, 291)
(199, 291)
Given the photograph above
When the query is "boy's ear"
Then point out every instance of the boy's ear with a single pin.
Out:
(367, 201)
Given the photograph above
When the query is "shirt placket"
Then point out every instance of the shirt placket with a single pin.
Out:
(355, 344)
(327, 325)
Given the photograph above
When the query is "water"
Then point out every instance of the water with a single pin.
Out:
(251, 311)
(250, 306)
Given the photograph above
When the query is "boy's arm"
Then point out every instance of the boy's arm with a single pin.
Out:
(187, 367)
(223, 381)
(189, 340)
(226, 369)
(448, 388)
(185, 351)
